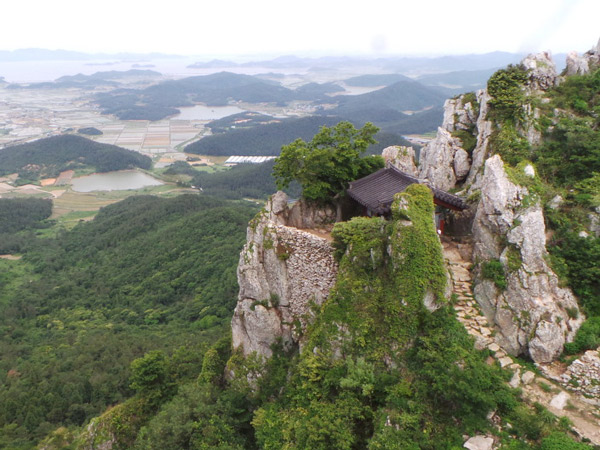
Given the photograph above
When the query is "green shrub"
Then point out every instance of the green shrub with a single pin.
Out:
(494, 271)
(468, 139)
(508, 97)
(587, 337)
(560, 441)
(510, 145)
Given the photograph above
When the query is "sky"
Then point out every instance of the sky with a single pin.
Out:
(309, 27)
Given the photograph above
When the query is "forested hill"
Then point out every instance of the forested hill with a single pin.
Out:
(405, 95)
(107, 78)
(162, 99)
(267, 139)
(145, 274)
(261, 140)
(48, 157)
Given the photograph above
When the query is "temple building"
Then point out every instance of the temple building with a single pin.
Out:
(375, 194)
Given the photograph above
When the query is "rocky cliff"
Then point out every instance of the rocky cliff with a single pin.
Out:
(282, 271)
(533, 314)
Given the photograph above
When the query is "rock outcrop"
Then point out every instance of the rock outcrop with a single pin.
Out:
(282, 271)
(541, 70)
(580, 65)
(444, 162)
(440, 158)
(484, 132)
(533, 314)
(400, 157)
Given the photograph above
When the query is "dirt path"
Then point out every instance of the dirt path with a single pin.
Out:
(536, 388)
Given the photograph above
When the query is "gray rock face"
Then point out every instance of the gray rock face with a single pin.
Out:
(282, 270)
(542, 71)
(437, 161)
(580, 65)
(458, 115)
(484, 128)
(576, 65)
(402, 158)
(443, 161)
(533, 314)
(461, 164)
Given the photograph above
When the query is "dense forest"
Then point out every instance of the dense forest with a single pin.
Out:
(263, 140)
(50, 156)
(17, 214)
(146, 274)
(266, 139)
(18, 218)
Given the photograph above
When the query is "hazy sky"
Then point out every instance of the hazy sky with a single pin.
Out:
(237, 27)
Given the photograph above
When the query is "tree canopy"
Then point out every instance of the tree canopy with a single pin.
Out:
(329, 162)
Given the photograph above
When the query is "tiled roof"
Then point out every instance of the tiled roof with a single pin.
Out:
(376, 191)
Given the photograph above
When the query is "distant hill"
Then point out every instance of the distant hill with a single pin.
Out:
(213, 64)
(267, 139)
(216, 90)
(48, 157)
(451, 63)
(162, 99)
(108, 78)
(454, 83)
(246, 119)
(384, 108)
(421, 122)
(312, 91)
(376, 80)
(110, 75)
(90, 131)
(400, 96)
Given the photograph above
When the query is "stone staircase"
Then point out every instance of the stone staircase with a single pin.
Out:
(583, 413)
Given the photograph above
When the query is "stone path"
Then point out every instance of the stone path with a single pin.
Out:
(584, 415)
